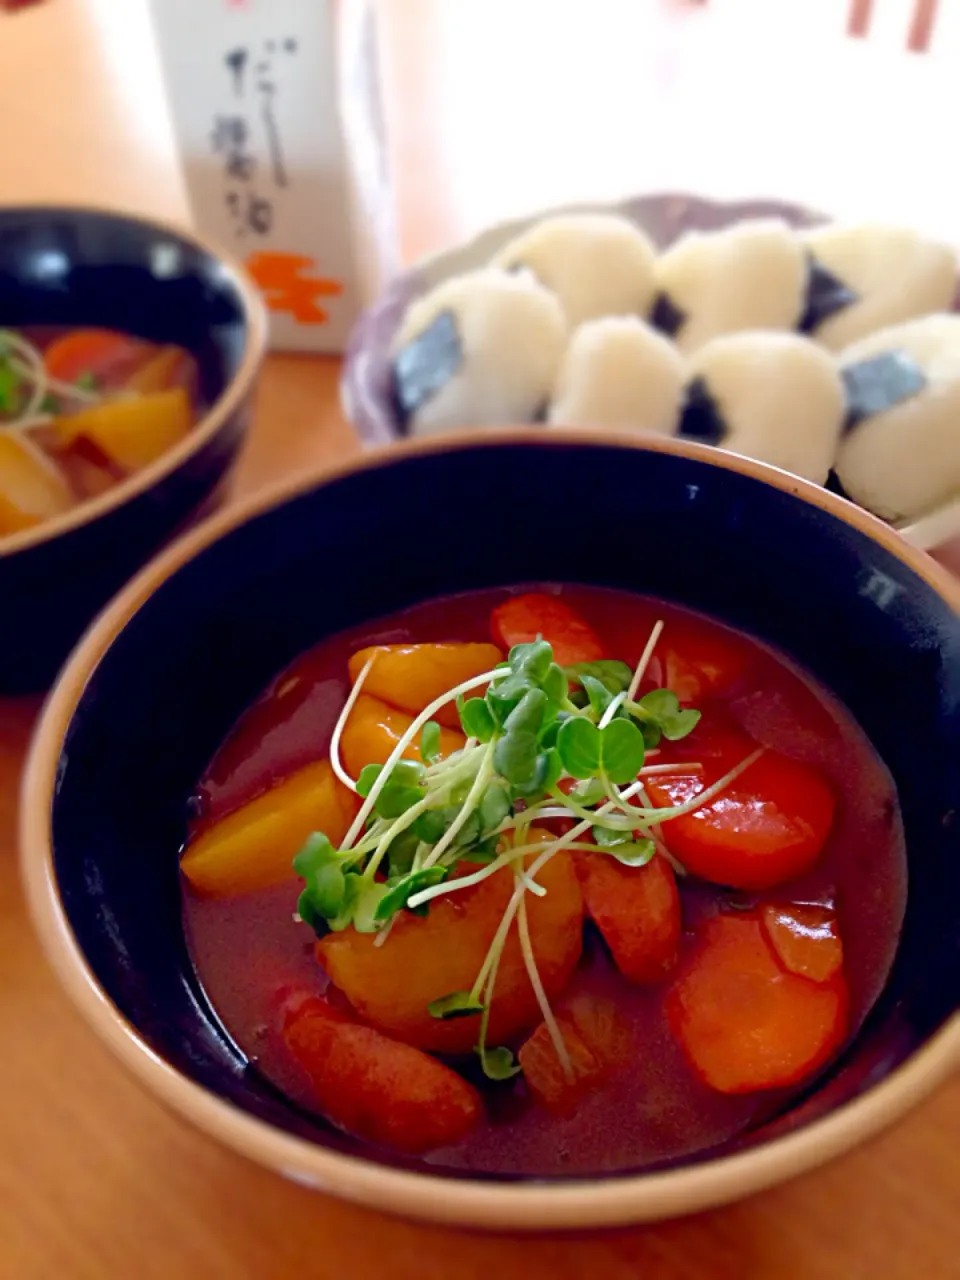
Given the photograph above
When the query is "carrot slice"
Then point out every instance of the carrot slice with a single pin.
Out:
(597, 1040)
(805, 938)
(253, 847)
(521, 619)
(374, 729)
(637, 909)
(545, 1075)
(697, 660)
(767, 827)
(426, 958)
(411, 676)
(376, 1088)
(743, 1022)
(106, 355)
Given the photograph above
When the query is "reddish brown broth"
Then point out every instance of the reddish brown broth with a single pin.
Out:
(247, 949)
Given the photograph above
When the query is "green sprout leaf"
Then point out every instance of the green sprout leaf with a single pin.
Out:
(499, 1063)
(477, 720)
(527, 715)
(660, 710)
(309, 914)
(432, 825)
(504, 696)
(598, 695)
(494, 807)
(87, 381)
(407, 773)
(614, 676)
(482, 853)
(393, 800)
(367, 904)
(459, 1004)
(578, 743)
(554, 769)
(636, 854)
(589, 792)
(682, 724)
(10, 387)
(368, 776)
(469, 832)
(401, 852)
(352, 890)
(397, 896)
(315, 852)
(607, 838)
(326, 887)
(516, 754)
(554, 683)
(515, 758)
(622, 751)
(533, 660)
(430, 742)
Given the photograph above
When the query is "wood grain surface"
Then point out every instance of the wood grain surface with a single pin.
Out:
(97, 1182)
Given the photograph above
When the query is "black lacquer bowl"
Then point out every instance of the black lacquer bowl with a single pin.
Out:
(166, 670)
(73, 267)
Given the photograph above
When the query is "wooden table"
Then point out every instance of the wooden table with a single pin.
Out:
(96, 1181)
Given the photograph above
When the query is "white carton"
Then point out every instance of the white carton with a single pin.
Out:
(276, 109)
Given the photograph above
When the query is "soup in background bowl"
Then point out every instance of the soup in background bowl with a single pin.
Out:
(792, 622)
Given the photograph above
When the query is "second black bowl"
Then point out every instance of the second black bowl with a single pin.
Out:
(78, 267)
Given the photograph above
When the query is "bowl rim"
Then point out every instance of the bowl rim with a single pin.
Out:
(256, 322)
(428, 1196)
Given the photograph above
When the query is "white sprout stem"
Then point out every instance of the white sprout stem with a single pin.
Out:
(384, 833)
(538, 812)
(533, 973)
(367, 807)
(484, 774)
(476, 877)
(655, 816)
(29, 365)
(401, 824)
(531, 886)
(644, 662)
(646, 831)
(611, 710)
(384, 933)
(348, 706)
(664, 770)
(486, 988)
(27, 424)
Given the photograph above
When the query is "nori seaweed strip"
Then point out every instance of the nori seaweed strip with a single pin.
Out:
(667, 316)
(833, 485)
(826, 295)
(426, 364)
(875, 385)
(701, 418)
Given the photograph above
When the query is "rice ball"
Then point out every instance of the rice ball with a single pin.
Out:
(598, 264)
(900, 454)
(481, 349)
(620, 373)
(880, 276)
(751, 275)
(776, 397)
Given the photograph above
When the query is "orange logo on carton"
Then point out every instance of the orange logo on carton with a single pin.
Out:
(289, 284)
